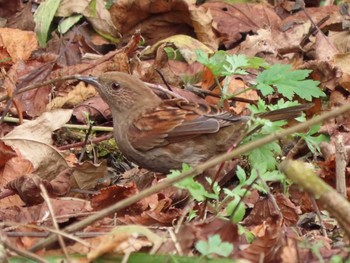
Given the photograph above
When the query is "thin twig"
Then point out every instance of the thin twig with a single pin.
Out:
(46, 198)
(69, 126)
(23, 253)
(296, 148)
(243, 196)
(164, 80)
(318, 214)
(302, 4)
(39, 85)
(185, 211)
(175, 241)
(341, 161)
(269, 194)
(50, 230)
(81, 144)
(87, 136)
(193, 172)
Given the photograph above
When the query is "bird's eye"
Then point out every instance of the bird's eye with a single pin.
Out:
(115, 86)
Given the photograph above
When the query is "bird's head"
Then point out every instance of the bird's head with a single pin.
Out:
(123, 92)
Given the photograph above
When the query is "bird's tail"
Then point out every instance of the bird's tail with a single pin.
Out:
(286, 113)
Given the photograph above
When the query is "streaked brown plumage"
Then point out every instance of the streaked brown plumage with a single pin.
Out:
(160, 135)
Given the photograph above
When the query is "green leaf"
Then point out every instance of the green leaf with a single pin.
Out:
(288, 82)
(239, 211)
(215, 63)
(233, 65)
(196, 189)
(273, 176)
(257, 62)
(93, 8)
(202, 247)
(314, 129)
(241, 175)
(263, 158)
(214, 245)
(67, 23)
(248, 235)
(265, 88)
(43, 18)
(313, 142)
(174, 54)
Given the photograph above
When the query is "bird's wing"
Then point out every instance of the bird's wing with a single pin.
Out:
(174, 121)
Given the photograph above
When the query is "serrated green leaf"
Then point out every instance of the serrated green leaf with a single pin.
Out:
(215, 63)
(288, 82)
(281, 104)
(314, 129)
(233, 63)
(273, 176)
(263, 158)
(257, 62)
(202, 57)
(258, 108)
(265, 88)
(196, 189)
(43, 18)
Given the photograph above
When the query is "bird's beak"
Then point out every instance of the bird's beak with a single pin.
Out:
(89, 79)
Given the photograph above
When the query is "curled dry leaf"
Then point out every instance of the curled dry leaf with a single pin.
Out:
(33, 141)
(167, 18)
(114, 194)
(64, 210)
(27, 187)
(77, 95)
(233, 21)
(227, 230)
(264, 209)
(116, 239)
(186, 45)
(268, 243)
(96, 109)
(87, 174)
(6, 153)
(11, 42)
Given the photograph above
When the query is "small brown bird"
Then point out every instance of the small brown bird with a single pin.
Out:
(160, 135)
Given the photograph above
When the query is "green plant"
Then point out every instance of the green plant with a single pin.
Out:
(262, 161)
(196, 189)
(277, 78)
(273, 79)
(214, 245)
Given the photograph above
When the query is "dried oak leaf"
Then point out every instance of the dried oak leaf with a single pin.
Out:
(234, 21)
(267, 244)
(161, 19)
(264, 209)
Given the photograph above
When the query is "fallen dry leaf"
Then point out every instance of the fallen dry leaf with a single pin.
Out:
(268, 243)
(80, 93)
(33, 141)
(64, 209)
(167, 18)
(233, 21)
(12, 41)
(86, 174)
(124, 239)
